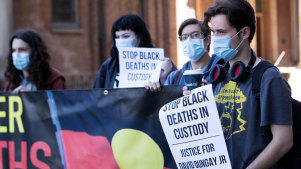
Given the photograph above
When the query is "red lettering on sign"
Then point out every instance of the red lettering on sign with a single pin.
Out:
(11, 153)
(33, 154)
(3, 144)
(39, 145)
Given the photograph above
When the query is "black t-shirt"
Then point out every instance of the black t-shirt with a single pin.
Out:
(246, 124)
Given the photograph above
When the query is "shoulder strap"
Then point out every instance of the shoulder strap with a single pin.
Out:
(178, 76)
(293, 158)
(257, 75)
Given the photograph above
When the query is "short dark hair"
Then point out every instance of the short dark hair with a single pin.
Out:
(239, 13)
(134, 23)
(192, 21)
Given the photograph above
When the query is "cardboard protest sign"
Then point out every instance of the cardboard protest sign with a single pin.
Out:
(193, 131)
(139, 65)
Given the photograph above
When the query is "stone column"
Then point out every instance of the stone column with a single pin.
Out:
(5, 33)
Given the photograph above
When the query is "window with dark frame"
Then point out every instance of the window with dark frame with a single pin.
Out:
(65, 14)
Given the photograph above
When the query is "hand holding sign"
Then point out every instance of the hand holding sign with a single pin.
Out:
(193, 131)
(166, 68)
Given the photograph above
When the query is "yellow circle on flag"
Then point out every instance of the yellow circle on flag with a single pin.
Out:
(134, 149)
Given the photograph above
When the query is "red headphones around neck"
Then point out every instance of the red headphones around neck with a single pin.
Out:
(238, 71)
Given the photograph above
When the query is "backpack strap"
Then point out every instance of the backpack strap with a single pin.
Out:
(256, 82)
(292, 159)
(178, 77)
(296, 110)
(257, 75)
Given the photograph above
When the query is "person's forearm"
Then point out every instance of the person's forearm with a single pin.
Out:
(275, 150)
(271, 154)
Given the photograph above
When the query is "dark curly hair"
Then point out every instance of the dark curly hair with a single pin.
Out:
(38, 68)
(137, 25)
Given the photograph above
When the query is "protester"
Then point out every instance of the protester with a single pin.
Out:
(28, 66)
(128, 31)
(257, 135)
(195, 42)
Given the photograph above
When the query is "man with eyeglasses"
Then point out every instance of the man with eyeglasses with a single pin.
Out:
(195, 42)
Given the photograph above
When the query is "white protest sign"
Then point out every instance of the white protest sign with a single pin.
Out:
(139, 65)
(193, 130)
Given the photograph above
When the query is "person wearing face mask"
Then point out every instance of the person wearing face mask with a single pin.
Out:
(195, 43)
(127, 31)
(221, 46)
(28, 66)
(258, 132)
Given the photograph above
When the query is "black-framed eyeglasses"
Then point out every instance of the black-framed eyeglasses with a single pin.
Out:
(194, 35)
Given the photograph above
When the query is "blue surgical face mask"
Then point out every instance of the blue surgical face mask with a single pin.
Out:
(129, 42)
(222, 46)
(20, 60)
(193, 48)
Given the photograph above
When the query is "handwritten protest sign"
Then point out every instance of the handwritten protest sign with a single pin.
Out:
(139, 65)
(193, 131)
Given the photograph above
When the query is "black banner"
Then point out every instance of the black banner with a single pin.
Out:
(116, 128)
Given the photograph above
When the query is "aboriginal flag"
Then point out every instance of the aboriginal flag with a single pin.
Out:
(116, 128)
